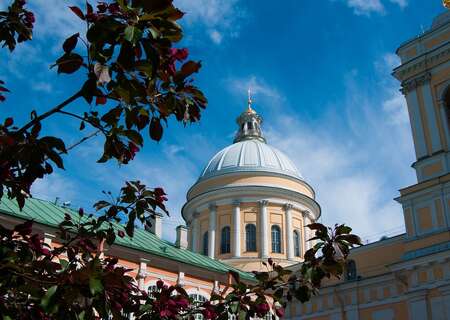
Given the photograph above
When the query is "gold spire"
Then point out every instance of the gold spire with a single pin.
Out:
(249, 102)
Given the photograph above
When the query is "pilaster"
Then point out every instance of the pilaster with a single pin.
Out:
(264, 225)
(195, 232)
(236, 230)
(212, 231)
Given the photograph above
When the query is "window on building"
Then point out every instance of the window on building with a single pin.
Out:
(225, 240)
(350, 270)
(297, 243)
(205, 243)
(250, 238)
(197, 299)
(276, 239)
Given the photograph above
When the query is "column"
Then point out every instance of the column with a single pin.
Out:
(195, 233)
(289, 232)
(307, 233)
(236, 230)
(264, 228)
(212, 231)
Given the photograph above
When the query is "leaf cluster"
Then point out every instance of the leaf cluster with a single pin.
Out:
(16, 25)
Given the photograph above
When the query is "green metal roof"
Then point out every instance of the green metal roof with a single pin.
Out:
(50, 214)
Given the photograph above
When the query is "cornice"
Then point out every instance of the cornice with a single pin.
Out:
(228, 195)
(423, 62)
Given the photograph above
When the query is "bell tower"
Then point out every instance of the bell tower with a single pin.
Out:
(425, 80)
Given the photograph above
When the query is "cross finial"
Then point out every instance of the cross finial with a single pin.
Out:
(249, 101)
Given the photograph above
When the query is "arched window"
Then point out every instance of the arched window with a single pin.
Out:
(350, 270)
(276, 239)
(225, 240)
(446, 99)
(205, 243)
(197, 299)
(296, 243)
(250, 238)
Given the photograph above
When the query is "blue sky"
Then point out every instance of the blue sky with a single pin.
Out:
(320, 72)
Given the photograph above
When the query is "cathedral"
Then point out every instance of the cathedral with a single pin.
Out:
(251, 203)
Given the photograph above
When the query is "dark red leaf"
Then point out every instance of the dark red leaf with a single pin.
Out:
(78, 12)
(90, 10)
(190, 67)
(156, 129)
(8, 122)
(100, 100)
(3, 89)
(70, 43)
(69, 63)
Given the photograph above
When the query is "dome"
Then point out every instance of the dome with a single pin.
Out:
(250, 156)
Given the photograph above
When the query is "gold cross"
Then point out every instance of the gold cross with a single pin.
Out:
(249, 101)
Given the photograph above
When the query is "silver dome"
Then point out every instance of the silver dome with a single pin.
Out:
(250, 156)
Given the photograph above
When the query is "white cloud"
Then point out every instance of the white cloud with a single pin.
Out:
(216, 36)
(401, 3)
(219, 18)
(386, 63)
(366, 7)
(55, 186)
(55, 19)
(41, 86)
(395, 108)
(25, 55)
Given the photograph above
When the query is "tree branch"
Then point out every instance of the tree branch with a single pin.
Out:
(50, 112)
(93, 134)
(100, 128)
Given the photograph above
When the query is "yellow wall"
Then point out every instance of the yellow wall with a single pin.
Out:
(424, 217)
(243, 179)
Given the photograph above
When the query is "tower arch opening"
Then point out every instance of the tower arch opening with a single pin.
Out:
(446, 102)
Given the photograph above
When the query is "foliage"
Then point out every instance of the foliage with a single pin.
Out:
(134, 79)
